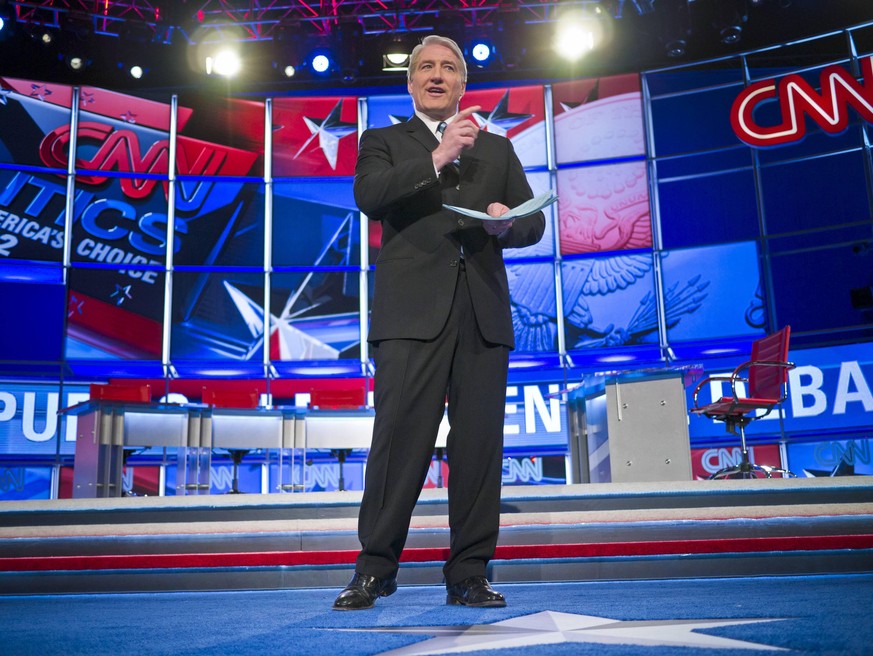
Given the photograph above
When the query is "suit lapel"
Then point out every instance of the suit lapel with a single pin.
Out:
(416, 128)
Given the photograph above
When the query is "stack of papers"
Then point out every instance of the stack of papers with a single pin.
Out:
(527, 208)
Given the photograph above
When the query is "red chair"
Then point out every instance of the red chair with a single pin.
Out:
(766, 378)
(350, 398)
(217, 397)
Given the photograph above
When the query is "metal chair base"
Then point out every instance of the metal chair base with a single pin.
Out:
(747, 469)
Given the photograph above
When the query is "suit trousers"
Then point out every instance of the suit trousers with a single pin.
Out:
(414, 379)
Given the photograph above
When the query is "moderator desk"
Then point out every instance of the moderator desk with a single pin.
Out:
(106, 429)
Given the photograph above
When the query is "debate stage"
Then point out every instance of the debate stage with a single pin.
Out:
(594, 532)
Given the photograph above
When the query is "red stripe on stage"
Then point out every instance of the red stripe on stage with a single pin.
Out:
(506, 552)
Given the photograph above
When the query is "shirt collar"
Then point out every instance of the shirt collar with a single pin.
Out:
(430, 123)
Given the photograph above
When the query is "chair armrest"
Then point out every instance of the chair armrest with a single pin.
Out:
(726, 378)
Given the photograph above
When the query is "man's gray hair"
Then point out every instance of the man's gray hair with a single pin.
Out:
(436, 40)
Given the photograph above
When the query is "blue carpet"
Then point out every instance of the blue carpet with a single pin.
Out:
(812, 614)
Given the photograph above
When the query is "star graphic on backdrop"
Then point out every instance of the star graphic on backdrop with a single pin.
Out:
(551, 628)
(121, 293)
(4, 95)
(40, 91)
(128, 117)
(329, 131)
(86, 98)
(500, 120)
(395, 119)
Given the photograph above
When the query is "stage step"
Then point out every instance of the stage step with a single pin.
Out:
(585, 532)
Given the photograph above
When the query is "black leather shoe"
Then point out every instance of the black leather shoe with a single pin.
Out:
(474, 591)
(362, 591)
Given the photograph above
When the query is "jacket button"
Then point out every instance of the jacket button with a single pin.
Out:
(461, 222)
(453, 263)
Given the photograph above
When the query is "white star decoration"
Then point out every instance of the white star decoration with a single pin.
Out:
(551, 628)
(329, 132)
(500, 120)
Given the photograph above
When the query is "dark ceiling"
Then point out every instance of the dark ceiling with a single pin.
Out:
(168, 33)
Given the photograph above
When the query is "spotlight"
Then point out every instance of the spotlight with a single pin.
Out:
(136, 38)
(76, 63)
(481, 51)
(321, 62)
(576, 35)
(226, 63)
(288, 52)
(7, 19)
(395, 54)
(675, 27)
(729, 19)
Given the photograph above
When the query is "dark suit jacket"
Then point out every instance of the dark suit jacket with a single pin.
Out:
(417, 266)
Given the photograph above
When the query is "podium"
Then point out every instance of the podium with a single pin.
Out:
(630, 427)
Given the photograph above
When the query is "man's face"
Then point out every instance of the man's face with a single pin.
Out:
(436, 85)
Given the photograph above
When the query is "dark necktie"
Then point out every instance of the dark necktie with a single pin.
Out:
(456, 165)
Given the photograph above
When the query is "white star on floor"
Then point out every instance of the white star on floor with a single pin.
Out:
(551, 628)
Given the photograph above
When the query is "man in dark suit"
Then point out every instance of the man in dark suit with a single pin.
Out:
(441, 328)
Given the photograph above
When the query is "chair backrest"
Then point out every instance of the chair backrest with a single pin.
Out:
(230, 398)
(115, 391)
(767, 382)
(337, 399)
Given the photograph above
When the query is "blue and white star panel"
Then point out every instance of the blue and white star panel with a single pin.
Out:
(518, 114)
(114, 316)
(30, 113)
(315, 137)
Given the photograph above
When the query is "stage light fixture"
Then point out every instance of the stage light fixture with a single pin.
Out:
(576, 34)
(675, 27)
(395, 54)
(288, 49)
(135, 41)
(729, 19)
(7, 19)
(225, 62)
(76, 35)
(481, 50)
(321, 63)
(76, 63)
